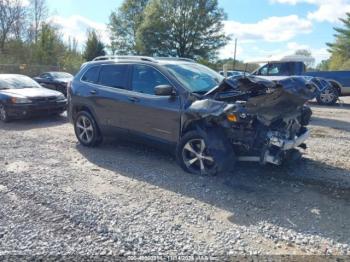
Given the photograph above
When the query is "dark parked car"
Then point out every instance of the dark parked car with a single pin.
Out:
(55, 81)
(21, 97)
(209, 121)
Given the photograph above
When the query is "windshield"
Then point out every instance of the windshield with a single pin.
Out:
(195, 77)
(61, 75)
(17, 82)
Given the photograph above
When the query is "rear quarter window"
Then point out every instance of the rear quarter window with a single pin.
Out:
(91, 75)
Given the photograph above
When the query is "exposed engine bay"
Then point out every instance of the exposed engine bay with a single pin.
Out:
(247, 118)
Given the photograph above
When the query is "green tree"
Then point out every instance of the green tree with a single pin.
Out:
(192, 28)
(340, 49)
(12, 13)
(49, 49)
(38, 13)
(307, 53)
(323, 66)
(123, 26)
(93, 47)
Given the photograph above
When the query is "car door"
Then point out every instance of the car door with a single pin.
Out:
(110, 96)
(152, 115)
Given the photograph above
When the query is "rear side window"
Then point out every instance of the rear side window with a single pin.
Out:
(114, 76)
(91, 75)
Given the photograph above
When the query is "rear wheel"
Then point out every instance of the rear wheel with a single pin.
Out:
(194, 155)
(3, 114)
(329, 96)
(86, 130)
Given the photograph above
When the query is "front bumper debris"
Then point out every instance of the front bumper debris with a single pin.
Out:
(285, 144)
(278, 149)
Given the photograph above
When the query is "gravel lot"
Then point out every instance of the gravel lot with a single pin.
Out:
(60, 198)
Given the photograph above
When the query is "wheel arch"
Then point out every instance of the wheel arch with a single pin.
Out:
(189, 126)
(79, 108)
(336, 85)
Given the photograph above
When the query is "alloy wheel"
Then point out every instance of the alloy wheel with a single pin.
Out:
(85, 129)
(328, 96)
(196, 157)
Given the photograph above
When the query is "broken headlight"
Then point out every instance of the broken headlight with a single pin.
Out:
(232, 118)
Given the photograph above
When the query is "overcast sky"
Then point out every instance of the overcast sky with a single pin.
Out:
(263, 27)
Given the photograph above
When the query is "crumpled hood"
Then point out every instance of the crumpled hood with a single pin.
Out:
(285, 99)
(267, 100)
(30, 92)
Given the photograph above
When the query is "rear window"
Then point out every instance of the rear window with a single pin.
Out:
(91, 75)
(114, 76)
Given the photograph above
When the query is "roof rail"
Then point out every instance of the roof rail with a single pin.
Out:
(115, 57)
(175, 59)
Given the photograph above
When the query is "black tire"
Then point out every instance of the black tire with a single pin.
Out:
(86, 129)
(200, 156)
(328, 97)
(3, 114)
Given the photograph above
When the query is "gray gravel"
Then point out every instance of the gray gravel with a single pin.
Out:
(60, 198)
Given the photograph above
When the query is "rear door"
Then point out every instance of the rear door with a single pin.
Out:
(151, 115)
(110, 96)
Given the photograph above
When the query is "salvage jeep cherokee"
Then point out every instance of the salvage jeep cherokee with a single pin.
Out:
(210, 121)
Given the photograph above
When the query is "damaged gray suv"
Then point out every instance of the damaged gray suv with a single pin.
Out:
(211, 122)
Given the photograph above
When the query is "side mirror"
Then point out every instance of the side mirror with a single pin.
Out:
(164, 90)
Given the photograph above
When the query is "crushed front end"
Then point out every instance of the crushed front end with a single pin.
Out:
(262, 121)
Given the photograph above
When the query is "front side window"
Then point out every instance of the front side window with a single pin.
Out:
(114, 76)
(146, 78)
(264, 70)
(279, 69)
(91, 75)
(274, 70)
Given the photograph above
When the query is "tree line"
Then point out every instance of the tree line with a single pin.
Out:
(340, 49)
(27, 38)
(191, 29)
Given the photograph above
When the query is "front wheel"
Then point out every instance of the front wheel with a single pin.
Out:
(3, 114)
(86, 130)
(194, 156)
(328, 97)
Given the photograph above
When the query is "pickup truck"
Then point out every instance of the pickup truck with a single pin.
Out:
(295, 66)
